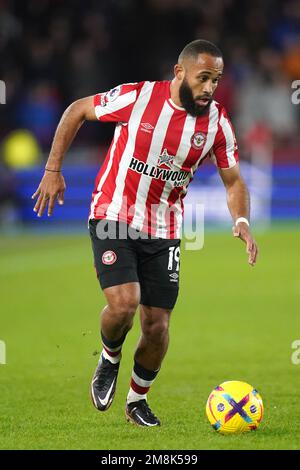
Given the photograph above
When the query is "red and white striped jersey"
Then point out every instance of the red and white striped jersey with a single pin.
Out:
(156, 149)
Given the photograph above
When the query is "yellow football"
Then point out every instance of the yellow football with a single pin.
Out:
(234, 406)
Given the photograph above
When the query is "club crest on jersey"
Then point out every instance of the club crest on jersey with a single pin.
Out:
(165, 159)
(109, 257)
(197, 140)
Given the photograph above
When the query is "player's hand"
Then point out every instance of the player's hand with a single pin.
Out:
(242, 231)
(51, 187)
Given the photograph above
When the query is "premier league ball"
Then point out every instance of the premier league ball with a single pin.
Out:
(234, 407)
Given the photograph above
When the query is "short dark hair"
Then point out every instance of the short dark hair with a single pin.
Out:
(199, 46)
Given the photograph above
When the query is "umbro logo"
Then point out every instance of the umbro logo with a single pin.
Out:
(174, 277)
(146, 127)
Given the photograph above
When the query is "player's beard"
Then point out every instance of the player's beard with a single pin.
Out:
(189, 102)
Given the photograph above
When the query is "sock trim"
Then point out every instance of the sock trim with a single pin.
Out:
(112, 344)
(138, 389)
(113, 360)
(141, 382)
(144, 374)
(111, 353)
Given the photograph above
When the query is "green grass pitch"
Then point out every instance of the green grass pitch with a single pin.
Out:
(231, 322)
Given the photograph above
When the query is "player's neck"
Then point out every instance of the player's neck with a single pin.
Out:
(174, 92)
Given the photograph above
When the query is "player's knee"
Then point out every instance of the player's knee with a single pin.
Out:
(123, 310)
(156, 330)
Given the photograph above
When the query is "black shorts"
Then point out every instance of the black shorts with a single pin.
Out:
(153, 262)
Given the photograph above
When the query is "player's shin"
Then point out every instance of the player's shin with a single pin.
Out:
(141, 381)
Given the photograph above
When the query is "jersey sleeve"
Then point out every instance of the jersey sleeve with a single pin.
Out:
(224, 152)
(116, 104)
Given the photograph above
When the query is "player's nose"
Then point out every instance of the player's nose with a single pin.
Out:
(208, 87)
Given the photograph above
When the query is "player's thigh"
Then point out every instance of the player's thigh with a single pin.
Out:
(158, 270)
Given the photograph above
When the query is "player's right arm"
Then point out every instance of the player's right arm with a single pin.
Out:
(114, 105)
(52, 185)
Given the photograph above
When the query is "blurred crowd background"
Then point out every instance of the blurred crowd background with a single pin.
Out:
(55, 51)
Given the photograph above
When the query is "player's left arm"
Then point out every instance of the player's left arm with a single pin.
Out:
(238, 201)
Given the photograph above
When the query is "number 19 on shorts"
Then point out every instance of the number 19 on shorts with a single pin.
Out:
(174, 255)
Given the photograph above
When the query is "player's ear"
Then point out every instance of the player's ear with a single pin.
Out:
(179, 72)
